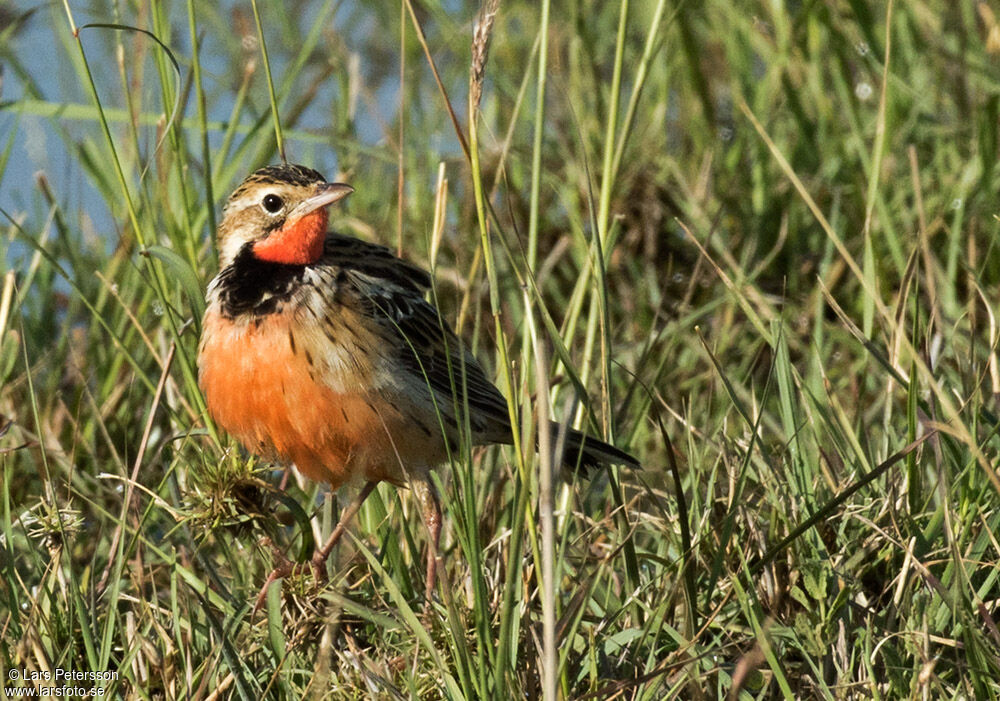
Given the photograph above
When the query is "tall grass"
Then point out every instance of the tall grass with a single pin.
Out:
(753, 243)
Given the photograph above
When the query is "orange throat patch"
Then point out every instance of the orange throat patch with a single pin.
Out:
(298, 242)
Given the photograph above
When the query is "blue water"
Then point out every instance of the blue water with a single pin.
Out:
(45, 49)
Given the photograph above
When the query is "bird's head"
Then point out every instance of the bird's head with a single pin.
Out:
(280, 213)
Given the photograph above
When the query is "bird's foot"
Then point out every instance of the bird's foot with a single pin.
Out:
(285, 568)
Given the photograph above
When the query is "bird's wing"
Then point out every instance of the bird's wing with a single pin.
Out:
(438, 372)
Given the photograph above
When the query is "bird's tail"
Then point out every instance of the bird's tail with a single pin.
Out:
(581, 451)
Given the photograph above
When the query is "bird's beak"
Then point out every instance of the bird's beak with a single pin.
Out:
(326, 194)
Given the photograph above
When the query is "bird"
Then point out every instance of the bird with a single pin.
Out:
(321, 350)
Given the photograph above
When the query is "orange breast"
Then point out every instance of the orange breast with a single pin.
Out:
(264, 388)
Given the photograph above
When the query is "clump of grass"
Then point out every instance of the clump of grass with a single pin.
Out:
(754, 248)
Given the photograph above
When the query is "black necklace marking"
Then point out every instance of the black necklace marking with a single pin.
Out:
(256, 287)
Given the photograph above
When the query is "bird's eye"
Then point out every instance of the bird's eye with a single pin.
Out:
(273, 203)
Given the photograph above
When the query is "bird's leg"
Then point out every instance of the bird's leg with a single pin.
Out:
(319, 559)
(285, 474)
(430, 507)
(285, 566)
